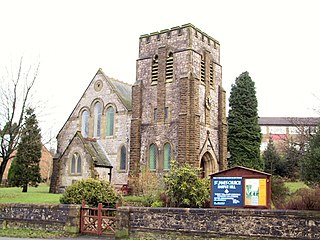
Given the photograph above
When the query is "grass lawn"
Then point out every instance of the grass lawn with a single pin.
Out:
(27, 233)
(294, 186)
(38, 194)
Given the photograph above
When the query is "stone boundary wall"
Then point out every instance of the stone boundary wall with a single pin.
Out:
(50, 217)
(185, 223)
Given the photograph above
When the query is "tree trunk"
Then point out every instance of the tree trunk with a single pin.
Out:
(3, 167)
(25, 188)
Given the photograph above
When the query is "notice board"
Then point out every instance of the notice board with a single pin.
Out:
(241, 187)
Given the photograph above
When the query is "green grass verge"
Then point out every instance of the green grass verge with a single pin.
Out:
(27, 233)
(133, 198)
(294, 186)
(38, 194)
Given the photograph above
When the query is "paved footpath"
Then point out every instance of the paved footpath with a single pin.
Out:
(75, 238)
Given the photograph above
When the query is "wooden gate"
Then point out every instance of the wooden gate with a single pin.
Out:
(98, 221)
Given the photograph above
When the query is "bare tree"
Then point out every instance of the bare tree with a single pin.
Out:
(15, 93)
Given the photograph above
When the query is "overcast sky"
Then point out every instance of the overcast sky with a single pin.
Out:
(276, 41)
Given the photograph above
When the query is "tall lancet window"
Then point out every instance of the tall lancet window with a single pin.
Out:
(167, 157)
(85, 123)
(153, 157)
(110, 121)
(155, 69)
(97, 119)
(169, 67)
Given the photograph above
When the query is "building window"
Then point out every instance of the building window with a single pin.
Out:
(123, 158)
(294, 130)
(153, 157)
(85, 123)
(169, 67)
(97, 119)
(155, 69)
(277, 130)
(202, 70)
(167, 156)
(75, 164)
(211, 74)
(110, 121)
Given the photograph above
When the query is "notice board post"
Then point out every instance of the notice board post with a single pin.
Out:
(240, 187)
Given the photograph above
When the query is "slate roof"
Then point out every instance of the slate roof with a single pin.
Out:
(122, 89)
(97, 153)
(289, 121)
(92, 147)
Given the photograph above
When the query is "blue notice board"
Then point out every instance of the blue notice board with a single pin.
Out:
(227, 192)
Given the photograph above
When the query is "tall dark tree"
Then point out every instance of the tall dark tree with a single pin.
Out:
(244, 134)
(26, 169)
(311, 164)
(271, 158)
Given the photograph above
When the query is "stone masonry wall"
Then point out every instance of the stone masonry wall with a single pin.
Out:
(111, 144)
(167, 223)
(182, 95)
(57, 217)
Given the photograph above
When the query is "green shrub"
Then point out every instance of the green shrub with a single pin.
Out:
(157, 203)
(305, 199)
(184, 187)
(92, 191)
(279, 191)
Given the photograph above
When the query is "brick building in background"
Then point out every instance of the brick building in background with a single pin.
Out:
(175, 110)
(45, 166)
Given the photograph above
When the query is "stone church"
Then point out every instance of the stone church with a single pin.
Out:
(175, 110)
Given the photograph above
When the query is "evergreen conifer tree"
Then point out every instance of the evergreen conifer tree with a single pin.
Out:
(311, 164)
(271, 158)
(244, 135)
(26, 169)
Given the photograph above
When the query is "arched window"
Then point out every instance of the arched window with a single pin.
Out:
(75, 164)
(153, 157)
(123, 158)
(110, 121)
(167, 156)
(97, 119)
(85, 124)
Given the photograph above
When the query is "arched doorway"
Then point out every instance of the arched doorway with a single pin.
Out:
(207, 164)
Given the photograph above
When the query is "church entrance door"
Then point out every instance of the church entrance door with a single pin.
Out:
(206, 165)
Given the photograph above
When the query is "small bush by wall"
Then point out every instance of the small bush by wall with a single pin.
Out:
(184, 188)
(92, 191)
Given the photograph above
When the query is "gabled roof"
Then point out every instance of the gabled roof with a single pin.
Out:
(92, 147)
(241, 168)
(122, 89)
